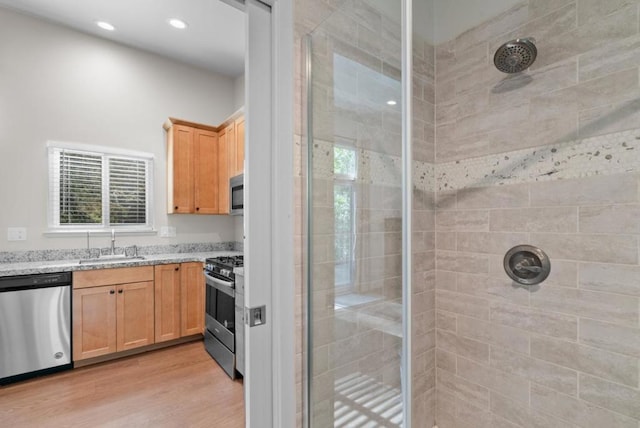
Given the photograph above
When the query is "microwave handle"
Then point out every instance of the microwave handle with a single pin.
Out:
(218, 284)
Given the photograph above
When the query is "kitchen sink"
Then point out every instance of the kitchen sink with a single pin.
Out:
(110, 259)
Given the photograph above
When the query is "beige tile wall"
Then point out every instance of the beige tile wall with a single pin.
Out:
(572, 343)
(566, 353)
(423, 239)
(583, 83)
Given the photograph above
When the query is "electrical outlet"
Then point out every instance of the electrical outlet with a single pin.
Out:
(167, 232)
(17, 234)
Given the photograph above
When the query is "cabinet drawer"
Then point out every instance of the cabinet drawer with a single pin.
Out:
(99, 277)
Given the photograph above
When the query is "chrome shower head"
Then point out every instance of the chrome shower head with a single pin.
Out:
(515, 55)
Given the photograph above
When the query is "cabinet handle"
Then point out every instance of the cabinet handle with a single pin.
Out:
(112, 291)
(177, 268)
(119, 291)
(175, 208)
(197, 208)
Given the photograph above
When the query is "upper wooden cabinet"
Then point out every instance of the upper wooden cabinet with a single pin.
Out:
(238, 158)
(206, 184)
(231, 155)
(234, 130)
(223, 170)
(192, 164)
(200, 160)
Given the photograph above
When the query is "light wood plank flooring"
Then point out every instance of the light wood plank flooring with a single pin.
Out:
(179, 386)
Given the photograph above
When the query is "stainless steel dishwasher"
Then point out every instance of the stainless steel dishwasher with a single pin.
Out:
(35, 325)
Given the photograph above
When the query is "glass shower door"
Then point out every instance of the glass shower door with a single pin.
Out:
(355, 194)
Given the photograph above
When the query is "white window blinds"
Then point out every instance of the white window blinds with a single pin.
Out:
(80, 188)
(93, 189)
(127, 191)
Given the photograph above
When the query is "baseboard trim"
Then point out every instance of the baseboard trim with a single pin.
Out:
(136, 351)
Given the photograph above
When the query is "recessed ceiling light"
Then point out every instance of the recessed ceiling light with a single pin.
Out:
(105, 25)
(177, 23)
(391, 102)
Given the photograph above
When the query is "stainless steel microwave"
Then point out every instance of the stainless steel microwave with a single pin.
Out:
(236, 195)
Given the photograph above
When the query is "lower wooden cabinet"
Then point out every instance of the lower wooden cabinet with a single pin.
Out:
(134, 315)
(120, 309)
(94, 322)
(179, 291)
(191, 299)
(167, 291)
(112, 318)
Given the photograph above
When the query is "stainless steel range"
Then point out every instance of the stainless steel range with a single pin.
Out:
(219, 336)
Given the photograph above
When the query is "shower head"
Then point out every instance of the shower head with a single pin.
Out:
(515, 55)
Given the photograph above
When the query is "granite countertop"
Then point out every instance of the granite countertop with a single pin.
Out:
(27, 268)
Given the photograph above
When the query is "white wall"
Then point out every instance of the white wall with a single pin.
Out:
(58, 84)
(238, 92)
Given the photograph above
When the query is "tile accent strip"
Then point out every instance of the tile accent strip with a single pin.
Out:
(373, 167)
(603, 155)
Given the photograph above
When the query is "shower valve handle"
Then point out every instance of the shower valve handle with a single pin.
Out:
(522, 267)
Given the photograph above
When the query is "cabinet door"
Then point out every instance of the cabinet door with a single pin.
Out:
(192, 298)
(181, 175)
(167, 302)
(239, 152)
(223, 172)
(94, 322)
(206, 175)
(231, 145)
(134, 315)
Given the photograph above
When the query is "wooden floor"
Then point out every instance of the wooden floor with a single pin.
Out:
(179, 386)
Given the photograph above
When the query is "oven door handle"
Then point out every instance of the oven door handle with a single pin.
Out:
(218, 284)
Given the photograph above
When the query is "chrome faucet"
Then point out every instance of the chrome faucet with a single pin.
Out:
(113, 242)
(89, 244)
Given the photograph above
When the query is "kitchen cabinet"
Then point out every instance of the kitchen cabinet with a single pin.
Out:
(191, 299)
(237, 159)
(113, 310)
(223, 169)
(230, 155)
(192, 168)
(179, 300)
(233, 128)
(134, 315)
(167, 302)
(94, 322)
(200, 161)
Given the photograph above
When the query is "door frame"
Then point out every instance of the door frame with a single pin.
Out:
(270, 399)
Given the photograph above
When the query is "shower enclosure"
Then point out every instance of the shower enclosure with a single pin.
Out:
(355, 195)
(415, 196)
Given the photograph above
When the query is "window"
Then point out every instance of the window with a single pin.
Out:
(94, 187)
(345, 170)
